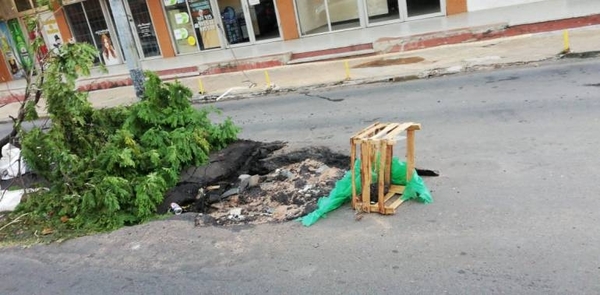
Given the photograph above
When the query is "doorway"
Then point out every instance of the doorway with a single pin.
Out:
(91, 22)
(321, 16)
(385, 11)
(249, 20)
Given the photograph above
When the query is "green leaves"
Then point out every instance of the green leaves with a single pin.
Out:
(111, 167)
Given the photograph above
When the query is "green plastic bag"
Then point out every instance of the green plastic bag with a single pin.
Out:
(415, 188)
(342, 192)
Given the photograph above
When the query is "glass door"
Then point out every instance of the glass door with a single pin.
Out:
(233, 17)
(383, 11)
(182, 26)
(263, 19)
(143, 28)
(205, 24)
(320, 16)
(416, 8)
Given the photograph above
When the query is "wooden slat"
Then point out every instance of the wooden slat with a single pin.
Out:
(401, 128)
(365, 133)
(383, 132)
(365, 151)
(353, 168)
(388, 196)
(397, 203)
(363, 130)
(398, 189)
(410, 154)
(381, 176)
(387, 210)
(415, 126)
(389, 151)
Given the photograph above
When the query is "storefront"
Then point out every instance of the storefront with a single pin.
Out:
(321, 16)
(91, 21)
(15, 40)
(197, 25)
(10, 53)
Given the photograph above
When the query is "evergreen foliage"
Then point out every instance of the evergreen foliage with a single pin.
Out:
(111, 167)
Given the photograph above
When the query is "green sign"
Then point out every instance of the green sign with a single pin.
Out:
(20, 43)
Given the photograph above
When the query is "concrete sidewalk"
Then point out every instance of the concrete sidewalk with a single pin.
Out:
(422, 63)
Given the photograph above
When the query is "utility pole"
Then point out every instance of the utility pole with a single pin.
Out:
(122, 21)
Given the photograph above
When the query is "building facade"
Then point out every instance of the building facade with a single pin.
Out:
(168, 28)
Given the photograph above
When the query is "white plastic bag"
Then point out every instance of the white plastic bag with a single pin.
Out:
(11, 162)
(10, 199)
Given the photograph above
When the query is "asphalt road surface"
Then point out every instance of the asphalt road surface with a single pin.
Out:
(516, 209)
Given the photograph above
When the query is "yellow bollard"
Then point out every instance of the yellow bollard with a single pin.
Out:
(200, 86)
(347, 66)
(267, 78)
(567, 47)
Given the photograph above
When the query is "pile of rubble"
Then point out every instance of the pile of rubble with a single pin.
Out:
(285, 194)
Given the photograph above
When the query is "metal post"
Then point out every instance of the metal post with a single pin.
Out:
(122, 21)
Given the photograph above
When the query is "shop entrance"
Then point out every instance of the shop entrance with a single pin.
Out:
(249, 20)
(91, 22)
(383, 11)
(208, 24)
(193, 25)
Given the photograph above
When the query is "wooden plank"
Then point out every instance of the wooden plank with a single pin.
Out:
(415, 126)
(397, 189)
(365, 150)
(353, 168)
(383, 132)
(387, 210)
(388, 196)
(401, 128)
(371, 129)
(389, 154)
(381, 176)
(397, 203)
(410, 154)
(363, 130)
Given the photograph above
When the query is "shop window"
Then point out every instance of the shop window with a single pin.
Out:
(383, 10)
(264, 20)
(144, 28)
(23, 5)
(88, 24)
(182, 28)
(318, 16)
(193, 25)
(422, 7)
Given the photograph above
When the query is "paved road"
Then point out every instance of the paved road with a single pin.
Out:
(515, 211)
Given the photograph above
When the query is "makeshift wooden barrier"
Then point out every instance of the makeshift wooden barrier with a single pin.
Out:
(375, 141)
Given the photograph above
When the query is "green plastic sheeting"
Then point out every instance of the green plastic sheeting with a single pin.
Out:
(415, 189)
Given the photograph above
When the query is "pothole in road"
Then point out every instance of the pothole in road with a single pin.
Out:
(391, 62)
(275, 186)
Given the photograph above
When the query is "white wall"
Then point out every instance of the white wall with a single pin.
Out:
(473, 5)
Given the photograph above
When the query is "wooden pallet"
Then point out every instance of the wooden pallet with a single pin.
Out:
(376, 143)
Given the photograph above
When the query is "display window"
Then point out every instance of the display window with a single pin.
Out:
(321, 16)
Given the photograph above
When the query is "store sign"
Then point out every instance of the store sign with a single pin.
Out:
(21, 45)
(69, 2)
(50, 30)
(8, 48)
(144, 30)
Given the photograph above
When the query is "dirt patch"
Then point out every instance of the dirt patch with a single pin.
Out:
(285, 194)
(390, 62)
(251, 183)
